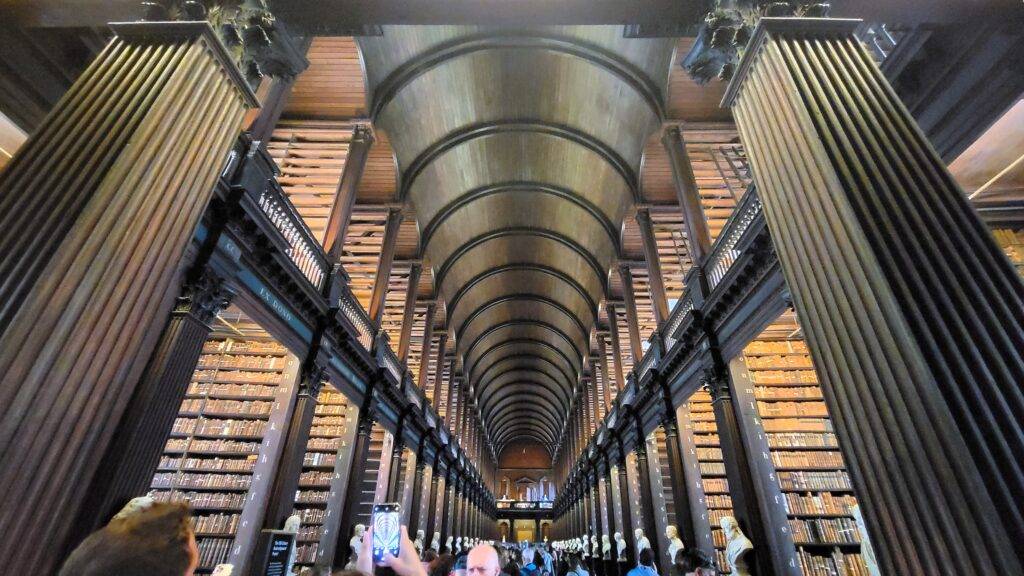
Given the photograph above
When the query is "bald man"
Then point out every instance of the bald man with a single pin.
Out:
(483, 561)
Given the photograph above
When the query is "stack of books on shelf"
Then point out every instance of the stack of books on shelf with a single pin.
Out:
(712, 470)
(311, 500)
(809, 467)
(215, 442)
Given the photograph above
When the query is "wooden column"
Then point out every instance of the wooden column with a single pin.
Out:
(691, 515)
(613, 331)
(913, 315)
(286, 481)
(360, 451)
(409, 312)
(96, 211)
(624, 501)
(448, 506)
(127, 468)
(635, 344)
(397, 457)
(697, 235)
(387, 258)
(693, 488)
(345, 195)
(650, 525)
(439, 385)
(428, 337)
(659, 301)
(338, 498)
(753, 487)
(417, 494)
(434, 509)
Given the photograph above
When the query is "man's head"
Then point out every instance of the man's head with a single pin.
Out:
(646, 557)
(483, 561)
(153, 541)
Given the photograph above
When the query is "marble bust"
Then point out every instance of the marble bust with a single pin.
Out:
(675, 544)
(595, 549)
(737, 546)
(418, 542)
(435, 542)
(642, 541)
(606, 547)
(620, 547)
(357, 539)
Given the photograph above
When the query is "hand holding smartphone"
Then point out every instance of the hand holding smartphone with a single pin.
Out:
(386, 520)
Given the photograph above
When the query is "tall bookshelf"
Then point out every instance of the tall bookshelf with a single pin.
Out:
(712, 470)
(332, 424)
(218, 439)
(805, 452)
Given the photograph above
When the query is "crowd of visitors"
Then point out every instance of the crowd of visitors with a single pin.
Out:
(150, 538)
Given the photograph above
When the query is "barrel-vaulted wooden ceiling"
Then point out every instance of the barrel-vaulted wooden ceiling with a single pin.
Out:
(518, 156)
(519, 152)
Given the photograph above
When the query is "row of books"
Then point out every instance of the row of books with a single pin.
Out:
(309, 532)
(305, 553)
(832, 564)
(241, 361)
(802, 440)
(784, 408)
(804, 459)
(222, 390)
(719, 501)
(815, 480)
(713, 454)
(780, 361)
(209, 464)
(785, 377)
(311, 515)
(776, 347)
(213, 551)
(236, 376)
(214, 406)
(203, 499)
(319, 459)
(715, 485)
(215, 523)
(230, 345)
(328, 431)
(825, 530)
(769, 392)
(315, 478)
(798, 425)
(824, 503)
(218, 427)
(712, 469)
(311, 497)
(224, 447)
(188, 480)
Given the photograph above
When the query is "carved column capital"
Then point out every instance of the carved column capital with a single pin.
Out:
(203, 298)
(313, 381)
(716, 382)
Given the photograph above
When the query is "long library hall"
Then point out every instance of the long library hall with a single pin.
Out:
(533, 288)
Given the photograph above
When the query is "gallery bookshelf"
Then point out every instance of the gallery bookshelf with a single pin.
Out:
(712, 470)
(804, 450)
(216, 441)
(332, 424)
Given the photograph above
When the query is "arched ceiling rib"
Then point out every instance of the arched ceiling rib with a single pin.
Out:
(519, 151)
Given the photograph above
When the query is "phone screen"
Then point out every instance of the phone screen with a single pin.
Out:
(386, 533)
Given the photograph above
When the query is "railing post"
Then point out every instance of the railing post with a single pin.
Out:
(345, 195)
(387, 257)
(659, 301)
(697, 235)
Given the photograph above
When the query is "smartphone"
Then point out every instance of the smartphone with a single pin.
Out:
(386, 533)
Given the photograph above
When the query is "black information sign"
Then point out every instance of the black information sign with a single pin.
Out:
(277, 546)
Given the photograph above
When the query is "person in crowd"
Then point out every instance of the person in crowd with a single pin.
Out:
(482, 560)
(692, 562)
(428, 557)
(531, 563)
(442, 566)
(407, 563)
(645, 565)
(146, 539)
(575, 565)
